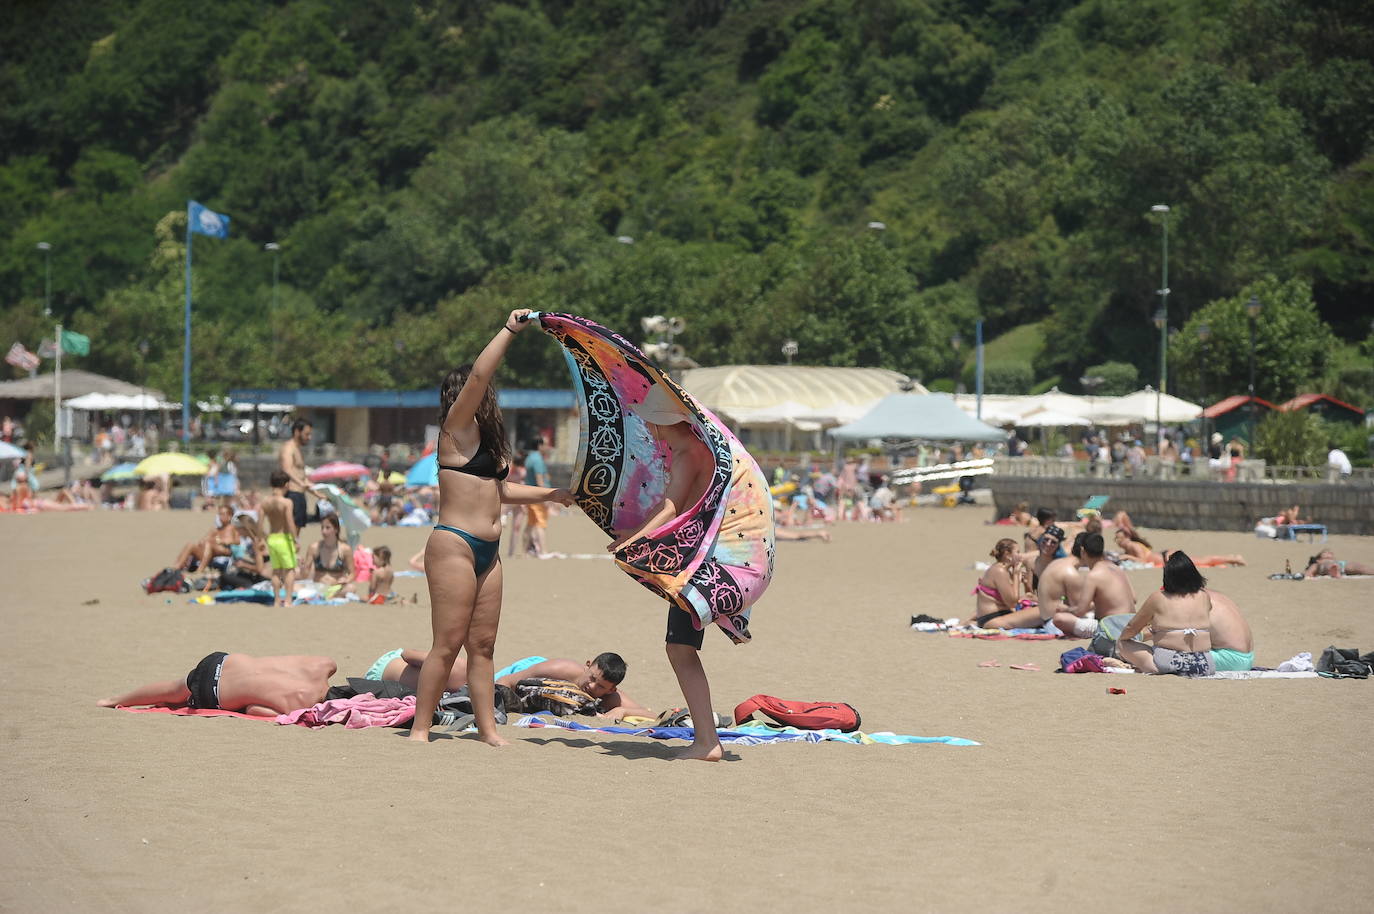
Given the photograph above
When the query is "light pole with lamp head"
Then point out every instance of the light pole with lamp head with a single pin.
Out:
(1252, 311)
(1162, 322)
(1162, 315)
(789, 349)
(274, 249)
(47, 277)
(143, 382)
(1204, 335)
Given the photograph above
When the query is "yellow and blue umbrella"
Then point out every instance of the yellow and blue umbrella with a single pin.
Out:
(122, 472)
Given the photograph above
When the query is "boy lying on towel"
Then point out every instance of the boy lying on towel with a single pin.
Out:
(599, 677)
(264, 686)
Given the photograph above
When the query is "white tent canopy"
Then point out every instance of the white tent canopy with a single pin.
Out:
(99, 402)
(798, 395)
(1049, 418)
(1140, 407)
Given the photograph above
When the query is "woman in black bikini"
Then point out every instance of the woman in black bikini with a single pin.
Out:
(329, 559)
(462, 557)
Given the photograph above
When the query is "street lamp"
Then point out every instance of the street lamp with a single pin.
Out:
(1204, 334)
(275, 250)
(1162, 315)
(1252, 311)
(143, 381)
(1162, 322)
(47, 277)
(789, 349)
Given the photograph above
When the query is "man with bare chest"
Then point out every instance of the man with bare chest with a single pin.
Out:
(263, 686)
(291, 461)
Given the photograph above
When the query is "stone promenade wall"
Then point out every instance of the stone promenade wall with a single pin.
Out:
(1187, 505)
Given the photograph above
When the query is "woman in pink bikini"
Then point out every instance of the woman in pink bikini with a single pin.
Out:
(1003, 590)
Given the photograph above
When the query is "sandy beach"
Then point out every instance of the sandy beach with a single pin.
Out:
(1178, 795)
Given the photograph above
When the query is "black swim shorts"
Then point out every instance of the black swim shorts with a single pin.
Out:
(681, 630)
(298, 509)
(203, 682)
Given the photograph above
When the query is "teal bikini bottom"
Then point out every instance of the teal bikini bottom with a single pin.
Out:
(484, 552)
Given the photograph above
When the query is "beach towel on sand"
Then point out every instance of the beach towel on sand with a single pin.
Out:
(748, 734)
(713, 560)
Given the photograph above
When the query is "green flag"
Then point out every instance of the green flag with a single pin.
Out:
(76, 343)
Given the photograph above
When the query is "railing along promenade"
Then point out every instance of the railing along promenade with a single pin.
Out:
(1188, 497)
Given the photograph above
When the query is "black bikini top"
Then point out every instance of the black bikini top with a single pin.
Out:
(482, 465)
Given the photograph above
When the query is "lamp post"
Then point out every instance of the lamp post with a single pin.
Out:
(789, 349)
(1162, 315)
(143, 383)
(275, 250)
(1162, 322)
(1204, 334)
(1252, 311)
(47, 277)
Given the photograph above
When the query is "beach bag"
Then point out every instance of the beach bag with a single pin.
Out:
(805, 715)
(557, 696)
(168, 580)
(1345, 663)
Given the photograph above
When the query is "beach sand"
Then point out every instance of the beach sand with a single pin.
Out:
(1179, 795)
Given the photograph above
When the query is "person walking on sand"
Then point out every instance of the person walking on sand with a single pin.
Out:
(277, 510)
(463, 554)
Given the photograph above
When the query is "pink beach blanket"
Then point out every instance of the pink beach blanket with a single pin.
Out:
(195, 712)
(354, 713)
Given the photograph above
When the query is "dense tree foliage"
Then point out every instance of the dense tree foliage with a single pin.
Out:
(424, 167)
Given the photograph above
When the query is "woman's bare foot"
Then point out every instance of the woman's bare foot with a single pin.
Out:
(703, 752)
(418, 736)
(107, 703)
(493, 740)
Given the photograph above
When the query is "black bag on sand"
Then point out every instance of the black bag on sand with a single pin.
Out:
(1345, 663)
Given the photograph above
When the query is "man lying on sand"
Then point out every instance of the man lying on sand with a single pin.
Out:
(265, 686)
(599, 677)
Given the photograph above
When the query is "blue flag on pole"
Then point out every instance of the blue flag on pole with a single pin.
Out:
(206, 221)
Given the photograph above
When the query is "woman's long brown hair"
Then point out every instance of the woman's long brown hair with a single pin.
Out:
(490, 426)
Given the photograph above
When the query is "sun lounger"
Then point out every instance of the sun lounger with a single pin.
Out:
(1093, 506)
(1291, 531)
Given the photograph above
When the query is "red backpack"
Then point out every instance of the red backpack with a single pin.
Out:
(806, 715)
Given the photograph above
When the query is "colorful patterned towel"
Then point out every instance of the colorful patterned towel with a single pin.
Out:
(714, 559)
(748, 734)
(1003, 634)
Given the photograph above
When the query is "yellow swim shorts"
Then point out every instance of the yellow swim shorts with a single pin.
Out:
(282, 548)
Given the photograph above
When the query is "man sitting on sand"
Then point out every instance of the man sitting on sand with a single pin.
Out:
(263, 686)
(599, 677)
(1057, 587)
(1233, 646)
(1105, 591)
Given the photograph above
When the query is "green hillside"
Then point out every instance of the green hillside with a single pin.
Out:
(425, 167)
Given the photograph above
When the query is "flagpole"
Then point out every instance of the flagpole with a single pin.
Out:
(186, 357)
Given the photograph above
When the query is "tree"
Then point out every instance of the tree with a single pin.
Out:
(1292, 344)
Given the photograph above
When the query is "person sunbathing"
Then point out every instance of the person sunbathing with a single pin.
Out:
(1135, 547)
(599, 677)
(1325, 564)
(1233, 645)
(1002, 594)
(263, 686)
(1178, 617)
(217, 542)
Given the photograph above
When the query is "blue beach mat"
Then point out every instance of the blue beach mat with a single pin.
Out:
(748, 734)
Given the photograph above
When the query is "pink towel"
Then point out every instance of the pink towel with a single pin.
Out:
(354, 713)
